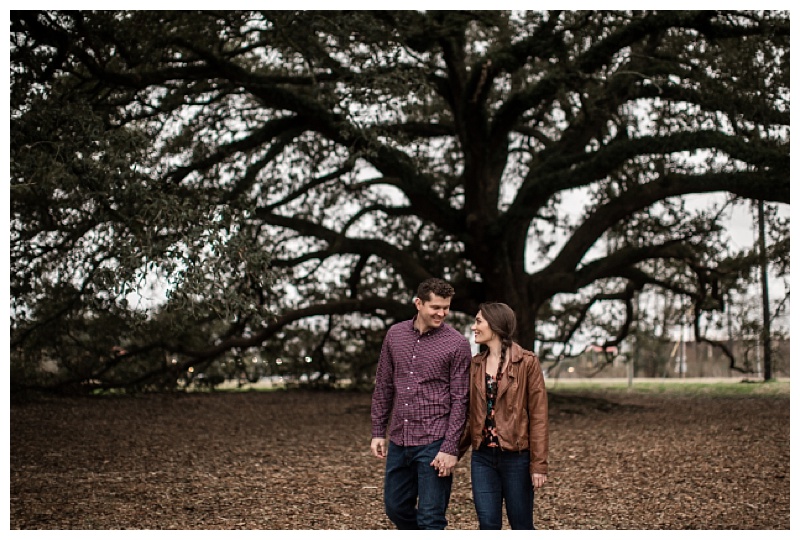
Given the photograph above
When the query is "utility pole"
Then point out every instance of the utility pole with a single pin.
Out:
(636, 351)
(765, 332)
(729, 309)
(683, 340)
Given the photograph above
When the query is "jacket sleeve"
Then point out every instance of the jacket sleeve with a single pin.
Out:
(465, 442)
(466, 436)
(537, 417)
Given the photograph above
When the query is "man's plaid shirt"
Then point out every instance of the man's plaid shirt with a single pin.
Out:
(423, 383)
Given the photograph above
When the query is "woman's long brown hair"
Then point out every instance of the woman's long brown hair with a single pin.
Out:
(503, 322)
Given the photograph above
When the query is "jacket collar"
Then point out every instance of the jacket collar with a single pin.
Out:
(502, 386)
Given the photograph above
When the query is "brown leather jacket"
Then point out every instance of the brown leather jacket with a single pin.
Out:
(521, 408)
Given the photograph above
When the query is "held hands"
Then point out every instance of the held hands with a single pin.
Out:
(444, 463)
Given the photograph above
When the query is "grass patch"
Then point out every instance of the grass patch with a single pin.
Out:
(677, 388)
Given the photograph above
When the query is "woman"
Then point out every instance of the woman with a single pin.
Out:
(507, 425)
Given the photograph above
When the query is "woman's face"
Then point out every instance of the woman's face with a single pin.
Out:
(483, 334)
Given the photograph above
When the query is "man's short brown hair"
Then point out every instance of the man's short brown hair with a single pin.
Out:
(436, 286)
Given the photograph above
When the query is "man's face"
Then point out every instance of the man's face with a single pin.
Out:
(431, 314)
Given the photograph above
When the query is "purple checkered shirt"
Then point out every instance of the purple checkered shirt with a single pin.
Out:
(423, 382)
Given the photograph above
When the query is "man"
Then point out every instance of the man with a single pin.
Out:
(422, 383)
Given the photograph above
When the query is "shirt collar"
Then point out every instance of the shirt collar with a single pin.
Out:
(429, 332)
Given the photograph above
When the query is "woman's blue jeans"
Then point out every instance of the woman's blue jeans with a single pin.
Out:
(414, 495)
(498, 475)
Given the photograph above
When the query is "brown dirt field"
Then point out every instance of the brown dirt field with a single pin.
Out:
(299, 460)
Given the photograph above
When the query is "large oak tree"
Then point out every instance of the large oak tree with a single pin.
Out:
(361, 152)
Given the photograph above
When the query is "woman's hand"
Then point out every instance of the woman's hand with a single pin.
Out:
(538, 479)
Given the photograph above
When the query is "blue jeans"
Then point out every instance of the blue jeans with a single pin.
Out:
(498, 475)
(414, 495)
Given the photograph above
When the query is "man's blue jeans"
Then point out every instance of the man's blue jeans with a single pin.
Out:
(414, 495)
(499, 475)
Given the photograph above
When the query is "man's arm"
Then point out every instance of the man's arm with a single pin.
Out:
(459, 398)
(382, 396)
(447, 458)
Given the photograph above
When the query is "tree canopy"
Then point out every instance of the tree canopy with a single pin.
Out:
(274, 167)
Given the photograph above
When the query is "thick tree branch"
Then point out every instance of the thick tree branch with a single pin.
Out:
(338, 243)
(644, 196)
(367, 305)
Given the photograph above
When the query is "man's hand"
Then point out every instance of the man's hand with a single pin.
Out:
(444, 463)
(538, 479)
(378, 448)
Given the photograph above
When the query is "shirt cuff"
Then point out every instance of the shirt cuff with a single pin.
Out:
(449, 447)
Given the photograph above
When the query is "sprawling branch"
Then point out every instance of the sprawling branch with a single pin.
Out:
(642, 197)
(339, 244)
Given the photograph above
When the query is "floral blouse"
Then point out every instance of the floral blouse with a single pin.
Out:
(489, 427)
